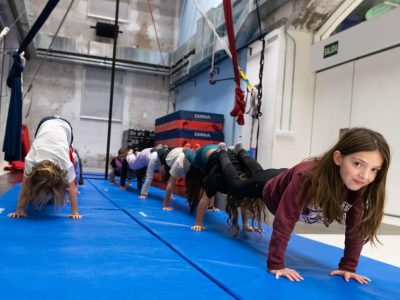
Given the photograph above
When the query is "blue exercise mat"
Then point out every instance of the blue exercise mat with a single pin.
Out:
(106, 255)
(93, 175)
(239, 264)
(127, 248)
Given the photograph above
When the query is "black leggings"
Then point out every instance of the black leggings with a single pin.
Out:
(215, 180)
(252, 187)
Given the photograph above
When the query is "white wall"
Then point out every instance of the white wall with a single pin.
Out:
(292, 142)
(376, 102)
(332, 106)
(273, 58)
(366, 95)
(285, 128)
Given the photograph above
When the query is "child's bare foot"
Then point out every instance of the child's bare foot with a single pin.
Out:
(258, 229)
(167, 208)
(246, 227)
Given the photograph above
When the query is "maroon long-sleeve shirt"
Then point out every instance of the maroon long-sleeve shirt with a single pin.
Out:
(282, 196)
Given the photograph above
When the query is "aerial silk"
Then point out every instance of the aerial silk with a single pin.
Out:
(240, 104)
(12, 136)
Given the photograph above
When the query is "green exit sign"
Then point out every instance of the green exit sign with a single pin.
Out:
(331, 49)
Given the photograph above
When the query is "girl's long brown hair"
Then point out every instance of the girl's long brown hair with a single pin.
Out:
(194, 191)
(323, 188)
(46, 182)
(255, 206)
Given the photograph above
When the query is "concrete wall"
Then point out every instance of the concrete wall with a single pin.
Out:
(58, 86)
(58, 89)
(138, 32)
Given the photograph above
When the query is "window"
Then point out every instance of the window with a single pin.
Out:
(96, 95)
(106, 9)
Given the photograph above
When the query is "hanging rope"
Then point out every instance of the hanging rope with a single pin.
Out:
(41, 61)
(211, 75)
(212, 27)
(240, 104)
(155, 30)
(5, 30)
(249, 86)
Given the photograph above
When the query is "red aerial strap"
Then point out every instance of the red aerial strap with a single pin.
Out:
(240, 104)
(71, 155)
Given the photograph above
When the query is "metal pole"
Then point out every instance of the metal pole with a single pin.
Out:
(112, 88)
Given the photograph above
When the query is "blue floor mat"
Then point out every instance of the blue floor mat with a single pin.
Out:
(127, 248)
(106, 255)
(239, 263)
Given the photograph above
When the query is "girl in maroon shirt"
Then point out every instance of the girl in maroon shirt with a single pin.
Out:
(346, 184)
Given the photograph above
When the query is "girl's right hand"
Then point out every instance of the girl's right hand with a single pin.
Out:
(290, 274)
(143, 196)
(74, 216)
(198, 228)
(17, 215)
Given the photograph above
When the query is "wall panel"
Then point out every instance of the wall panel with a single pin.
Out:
(376, 104)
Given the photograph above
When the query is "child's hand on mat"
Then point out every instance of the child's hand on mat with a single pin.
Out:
(350, 275)
(143, 196)
(75, 216)
(198, 228)
(290, 274)
(167, 208)
(17, 215)
(123, 188)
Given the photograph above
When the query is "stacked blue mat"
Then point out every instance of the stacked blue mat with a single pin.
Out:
(127, 248)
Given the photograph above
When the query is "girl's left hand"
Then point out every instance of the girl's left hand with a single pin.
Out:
(74, 216)
(350, 275)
